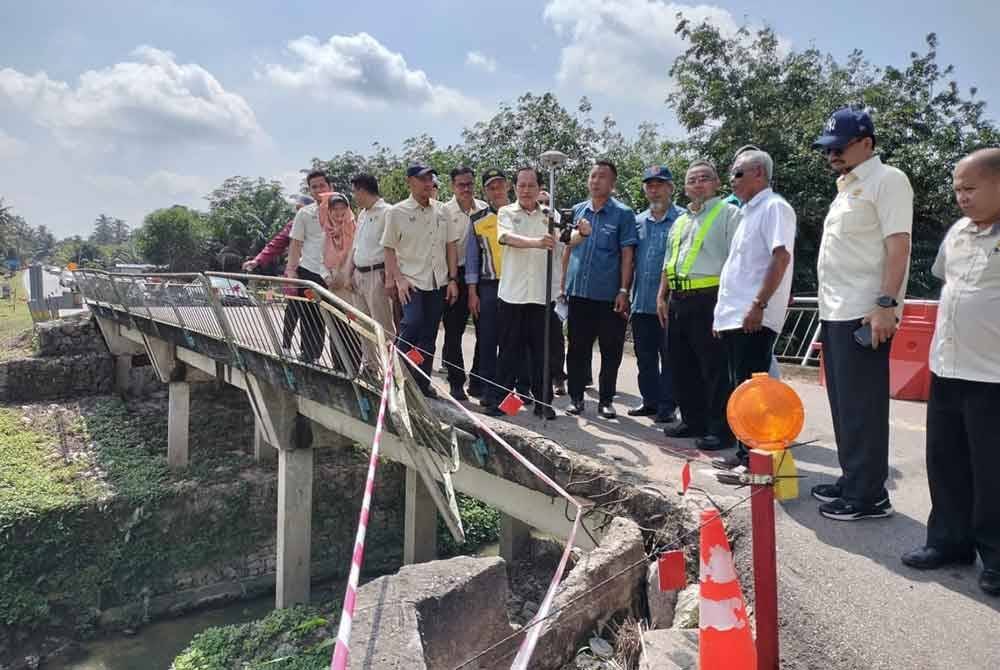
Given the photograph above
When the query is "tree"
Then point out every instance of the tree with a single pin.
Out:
(104, 232)
(745, 89)
(175, 237)
(244, 213)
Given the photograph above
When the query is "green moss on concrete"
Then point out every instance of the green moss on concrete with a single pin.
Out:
(299, 638)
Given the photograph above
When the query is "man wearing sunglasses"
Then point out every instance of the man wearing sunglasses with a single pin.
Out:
(862, 268)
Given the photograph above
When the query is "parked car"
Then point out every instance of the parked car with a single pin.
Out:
(231, 292)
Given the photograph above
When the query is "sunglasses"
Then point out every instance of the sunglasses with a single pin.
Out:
(737, 174)
(839, 151)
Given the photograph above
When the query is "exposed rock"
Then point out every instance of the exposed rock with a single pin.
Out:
(670, 649)
(661, 603)
(686, 610)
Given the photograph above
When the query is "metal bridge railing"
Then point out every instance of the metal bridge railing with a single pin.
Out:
(799, 332)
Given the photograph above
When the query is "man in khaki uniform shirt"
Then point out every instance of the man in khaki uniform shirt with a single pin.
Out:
(697, 248)
(456, 315)
(963, 457)
(367, 262)
(420, 262)
(862, 268)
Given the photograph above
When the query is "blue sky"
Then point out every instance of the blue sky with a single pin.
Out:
(122, 107)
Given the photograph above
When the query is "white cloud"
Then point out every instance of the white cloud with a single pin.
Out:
(359, 71)
(150, 99)
(611, 41)
(11, 147)
(482, 61)
(159, 183)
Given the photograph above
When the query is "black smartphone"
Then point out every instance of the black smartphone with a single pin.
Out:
(863, 335)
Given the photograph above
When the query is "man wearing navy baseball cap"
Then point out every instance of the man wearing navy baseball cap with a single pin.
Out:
(862, 268)
(648, 334)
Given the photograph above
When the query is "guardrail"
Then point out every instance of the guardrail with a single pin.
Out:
(799, 332)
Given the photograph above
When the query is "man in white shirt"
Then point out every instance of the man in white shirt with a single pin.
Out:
(756, 279)
(524, 231)
(421, 260)
(962, 453)
(862, 267)
(456, 315)
(367, 263)
(305, 261)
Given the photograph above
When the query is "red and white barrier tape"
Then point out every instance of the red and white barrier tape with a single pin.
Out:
(342, 648)
(528, 645)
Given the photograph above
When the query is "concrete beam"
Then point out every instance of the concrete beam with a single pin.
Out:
(163, 356)
(262, 451)
(295, 480)
(514, 537)
(420, 522)
(121, 340)
(123, 373)
(275, 412)
(178, 422)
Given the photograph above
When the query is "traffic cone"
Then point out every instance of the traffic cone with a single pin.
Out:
(724, 639)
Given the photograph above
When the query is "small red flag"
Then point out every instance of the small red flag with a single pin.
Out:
(415, 356)
(685, 477)
(511, 404)
(671, 570)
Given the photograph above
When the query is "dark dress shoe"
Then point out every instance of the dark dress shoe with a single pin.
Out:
(475, 390)
(932, 558)
(730, 462)
(544, 411)
(712, 443)
(493, 410)
(607, 411)
(429, 392)
(458, 393)
(679, 430)
(989, 582)
(575, 407)
(642, 410)
(663, 417)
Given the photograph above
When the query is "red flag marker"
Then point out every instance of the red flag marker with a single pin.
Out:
(671, 570)
(685, 477)
(511, 404)
(415, 356)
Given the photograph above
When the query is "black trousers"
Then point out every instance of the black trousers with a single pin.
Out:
(591, 320)
(747, 353)
(522, 336)
(313, 331)
(699, 365)
(455, 318)
(963, 458)
(557, 346)
(857, 385)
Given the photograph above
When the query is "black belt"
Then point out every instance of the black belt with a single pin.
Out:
(369, 268)
(694, 292)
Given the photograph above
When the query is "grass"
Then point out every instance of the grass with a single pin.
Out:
(34, 477)
(15, 320)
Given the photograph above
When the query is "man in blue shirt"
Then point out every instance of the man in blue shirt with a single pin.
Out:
(598, 282)
(648, 334)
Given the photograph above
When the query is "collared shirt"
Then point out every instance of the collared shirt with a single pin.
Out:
(307, 229)
(523, 278)
(459, 222)
(368, 249)
(595, 265)
(419, 236)
(715, 247)
(483, 253)
(873, 202)
(768, 223)
(649, 254)
(968, 320)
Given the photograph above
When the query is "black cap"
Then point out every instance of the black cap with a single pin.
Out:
(419, 170)
(492, 174)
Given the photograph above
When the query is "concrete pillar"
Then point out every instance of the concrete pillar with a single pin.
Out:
(263, 452)
(420, 521)
(123, 373)
(295, 480)
(178, 420)
(514, 537)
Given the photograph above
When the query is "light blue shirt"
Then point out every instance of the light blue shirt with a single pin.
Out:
(595, 265)
(649, 255)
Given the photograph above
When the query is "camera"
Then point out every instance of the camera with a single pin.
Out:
(561, 219)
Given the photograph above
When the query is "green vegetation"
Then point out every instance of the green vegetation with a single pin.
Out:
(15, 320)
(481, 523)
(299, 638)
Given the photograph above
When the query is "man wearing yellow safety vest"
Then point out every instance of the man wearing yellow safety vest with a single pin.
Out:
(697, 248)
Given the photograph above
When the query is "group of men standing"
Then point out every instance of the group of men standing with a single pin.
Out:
(705, 289)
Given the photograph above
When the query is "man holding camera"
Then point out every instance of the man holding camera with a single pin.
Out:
(862, 268)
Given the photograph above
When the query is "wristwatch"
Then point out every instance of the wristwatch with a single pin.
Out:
(760, 303)
(623, 290)
(887, 302)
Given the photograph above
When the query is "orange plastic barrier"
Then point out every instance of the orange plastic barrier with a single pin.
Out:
(909, 370)
(724, 639)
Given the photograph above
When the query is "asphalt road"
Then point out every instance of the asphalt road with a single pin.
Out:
(846, 601)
